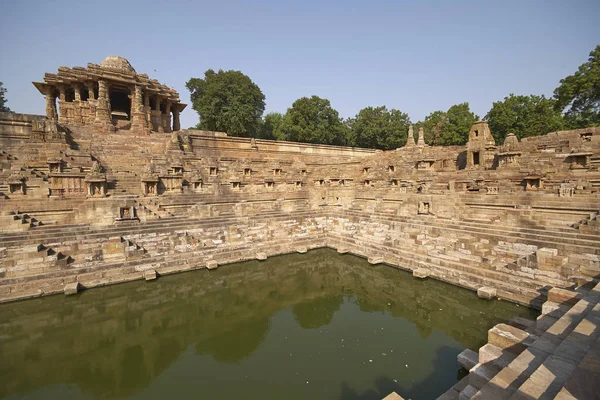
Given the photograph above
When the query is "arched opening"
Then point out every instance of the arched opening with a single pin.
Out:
(69, 94)
(120, 104)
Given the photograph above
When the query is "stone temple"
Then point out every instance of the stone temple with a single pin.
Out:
(106, 187)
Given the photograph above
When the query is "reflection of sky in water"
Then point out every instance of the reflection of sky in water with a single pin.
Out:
(319, 326)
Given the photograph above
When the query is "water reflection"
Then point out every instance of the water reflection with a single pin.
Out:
(228, 332)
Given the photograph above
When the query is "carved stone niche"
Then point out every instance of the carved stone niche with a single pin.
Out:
(127, 213)
(96, 181)
(150, 187)
(424, 207)
(580, 160)
(270, 185)
(236, 186)
(492, 190)
(172, 183)
(425, 165)
(394, 182)
(16, 184)
(55, 166)
(533, 182)
(566, 190)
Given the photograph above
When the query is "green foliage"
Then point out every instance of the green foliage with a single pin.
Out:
(579, 94)
(448, 128)
(524, 115)
(312, 120)
(269, 127)
(459, 122)
(3, 106)
(379, 128)
(227, 101)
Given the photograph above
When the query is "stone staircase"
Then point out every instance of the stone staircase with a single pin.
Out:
(555, 356)
(589, 224)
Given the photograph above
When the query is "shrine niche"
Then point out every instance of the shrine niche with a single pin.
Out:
(425, 164)
(96, 181)
(173, 180)
(127, 214)
(481, 146)
(533, 182)
(424, 207)
(579, 159)
(509, 154)
(65, 182)
(566, 190)
(197, 182)
(150, 179)
(55, 165)
(112, 96)
(46, 131)
(16, 183)
(493, 190)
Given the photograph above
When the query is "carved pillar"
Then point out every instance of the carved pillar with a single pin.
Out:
(62, 98)
(77, 91)
(90, 89)
(51, 106)
(159, 124)
(167, 116)
(138, 119)
(103, 107)
(176, 123)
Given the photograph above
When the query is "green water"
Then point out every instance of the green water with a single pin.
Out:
(302, 326)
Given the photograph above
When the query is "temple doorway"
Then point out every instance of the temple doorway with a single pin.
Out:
(120, 105)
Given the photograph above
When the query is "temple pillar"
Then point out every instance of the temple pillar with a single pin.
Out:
(51, 106)
(103, 107)
(166, 117)
(138, 116)
(77, 91)
(90, 89)
(160, 128)
(176, 123)
(62, 98)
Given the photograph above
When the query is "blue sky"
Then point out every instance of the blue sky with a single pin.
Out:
(416, 56)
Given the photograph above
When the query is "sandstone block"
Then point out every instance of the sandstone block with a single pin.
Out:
(393, 396)
(342, 250)
(375, 260)
(467, 358)
(421, 273)
(71, 288)
(564, 296)
(508, 337)
(150, 275)
(261, 256)
(301, 250)
(212, 264)
(486, 292)
(481, 374)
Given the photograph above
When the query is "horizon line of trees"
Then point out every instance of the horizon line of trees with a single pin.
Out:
(230, 101)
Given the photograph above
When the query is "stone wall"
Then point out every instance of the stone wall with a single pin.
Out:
(521, 218)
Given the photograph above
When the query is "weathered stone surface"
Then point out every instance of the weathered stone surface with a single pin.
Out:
(71, 288)
(261, 256)
(467, 358)
(211, 264)
(393, 396)
(421, 273)
(375, 260)
(509, 338)
(486, 292)
(150, 275)
(301, 250)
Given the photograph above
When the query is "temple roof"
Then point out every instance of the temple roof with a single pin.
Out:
(117, 63)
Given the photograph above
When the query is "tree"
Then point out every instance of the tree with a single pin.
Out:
(450, 127)
(269, 126)
(379, 128)
(3, 106)
(460, 119)
(524, 115)
(312, 120)
(227, 101)
(579, 94)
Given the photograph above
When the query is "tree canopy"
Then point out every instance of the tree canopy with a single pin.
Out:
(379, 128)
(579, 94)
(312, 120)
(227, 101)
(269, 127)
(450, 127)
(3, 106)
(524, 115)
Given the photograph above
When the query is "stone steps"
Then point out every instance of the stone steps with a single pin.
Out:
(561, 350)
